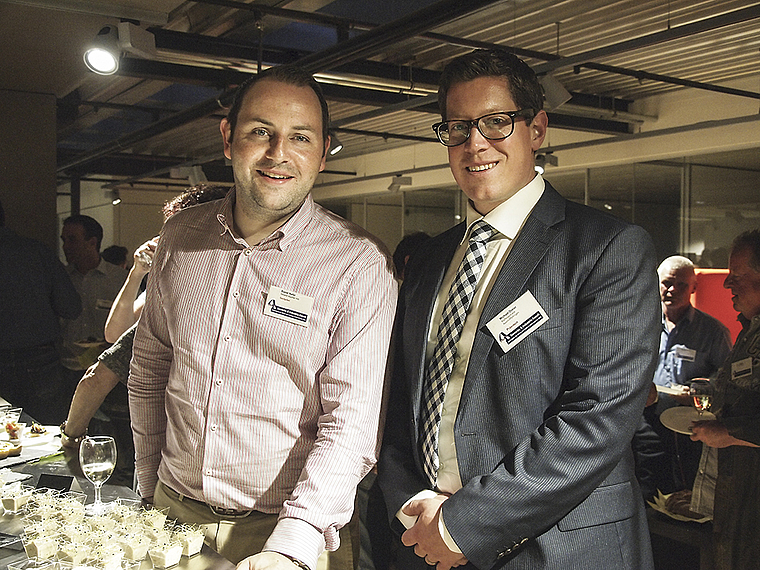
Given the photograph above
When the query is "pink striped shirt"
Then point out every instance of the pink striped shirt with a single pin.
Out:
(243, 410)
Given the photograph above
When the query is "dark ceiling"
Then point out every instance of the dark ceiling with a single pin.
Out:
(378, 62)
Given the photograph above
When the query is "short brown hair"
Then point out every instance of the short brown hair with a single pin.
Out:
(522, 81)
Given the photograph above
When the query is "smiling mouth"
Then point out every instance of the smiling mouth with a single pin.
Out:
(481, 167)
(274, 176)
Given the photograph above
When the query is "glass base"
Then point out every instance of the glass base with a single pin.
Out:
(97, 509)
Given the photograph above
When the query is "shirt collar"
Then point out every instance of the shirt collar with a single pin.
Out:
(282, 237)
(687, 318)
(509, 216)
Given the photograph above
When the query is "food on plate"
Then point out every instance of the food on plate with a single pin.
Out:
(165, 555)
(15, 496)
(14, 429)
(37, 430)
(8, 449)
(679, 502)
(41, 548)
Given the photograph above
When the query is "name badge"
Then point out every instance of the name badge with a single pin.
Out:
(517, 321)
(288, 306)
(741, 368)
(686, 353)
(104, 304)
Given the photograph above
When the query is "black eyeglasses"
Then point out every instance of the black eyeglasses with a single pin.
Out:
(494, 127)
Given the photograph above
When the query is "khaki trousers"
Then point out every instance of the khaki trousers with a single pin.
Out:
(237, 538)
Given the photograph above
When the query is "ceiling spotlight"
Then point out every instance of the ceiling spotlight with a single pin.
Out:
(542, 159)
(398, 181)
(335, 145)
(554, 92)
(102, 56)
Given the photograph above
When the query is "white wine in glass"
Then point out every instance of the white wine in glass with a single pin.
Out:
(97, 457)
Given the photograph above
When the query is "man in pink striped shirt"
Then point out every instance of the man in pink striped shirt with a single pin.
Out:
(257, 377)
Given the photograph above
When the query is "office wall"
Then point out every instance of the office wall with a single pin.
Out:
(27, 164)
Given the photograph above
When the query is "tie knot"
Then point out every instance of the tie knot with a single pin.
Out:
(482, 231)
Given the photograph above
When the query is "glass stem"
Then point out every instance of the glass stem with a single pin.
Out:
(97, 495)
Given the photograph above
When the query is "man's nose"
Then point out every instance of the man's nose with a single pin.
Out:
(476, 138)
(276, 148)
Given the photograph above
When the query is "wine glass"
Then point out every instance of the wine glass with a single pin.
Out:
(97, 457)
(701, 389)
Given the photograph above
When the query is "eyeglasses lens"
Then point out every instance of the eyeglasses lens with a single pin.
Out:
(492, 127)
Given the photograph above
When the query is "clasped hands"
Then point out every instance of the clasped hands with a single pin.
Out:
(425, 536)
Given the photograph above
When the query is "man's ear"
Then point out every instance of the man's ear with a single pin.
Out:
(538, 127)
(226, 130)
(324, 153)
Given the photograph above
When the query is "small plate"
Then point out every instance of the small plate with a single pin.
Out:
(679, 418)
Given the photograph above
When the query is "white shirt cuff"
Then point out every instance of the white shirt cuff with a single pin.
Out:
(450, 544)
(296, 538)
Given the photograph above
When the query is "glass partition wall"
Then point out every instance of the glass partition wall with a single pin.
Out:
(688, 208)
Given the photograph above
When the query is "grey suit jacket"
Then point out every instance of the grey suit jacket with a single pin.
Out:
(543, 431)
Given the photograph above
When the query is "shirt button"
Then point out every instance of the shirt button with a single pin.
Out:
(213, 427)
(236, 294)
(247, 252)
(228, 338)
(218, 382)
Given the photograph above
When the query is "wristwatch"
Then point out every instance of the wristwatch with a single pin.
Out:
(73, 440)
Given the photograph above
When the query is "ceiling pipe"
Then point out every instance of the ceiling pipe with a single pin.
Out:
(384, 135)
(640, 75)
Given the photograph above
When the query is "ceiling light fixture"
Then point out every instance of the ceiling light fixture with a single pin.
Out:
(102, 56)
(542, 159)
(335, 145)
(555, 93)
(398, 181)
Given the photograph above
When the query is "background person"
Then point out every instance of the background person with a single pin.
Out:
(736, 431)
(692, 345)
(259, 359)
(530, 465)
(36, 292)
(97, 282)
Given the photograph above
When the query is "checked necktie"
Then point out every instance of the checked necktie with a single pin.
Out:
(452, 321)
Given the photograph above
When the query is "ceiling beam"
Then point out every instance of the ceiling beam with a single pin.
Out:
(369, 43)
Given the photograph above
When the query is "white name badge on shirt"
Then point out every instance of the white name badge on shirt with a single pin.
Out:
(686, 353)
(741, 368)
(517, 321)
(288, 306)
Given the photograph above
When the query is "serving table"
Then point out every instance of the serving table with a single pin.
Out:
(52, 461)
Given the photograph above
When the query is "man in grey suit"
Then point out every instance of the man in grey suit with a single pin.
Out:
(525, 345)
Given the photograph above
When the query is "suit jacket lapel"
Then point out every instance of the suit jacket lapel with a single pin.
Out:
(529, 248)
